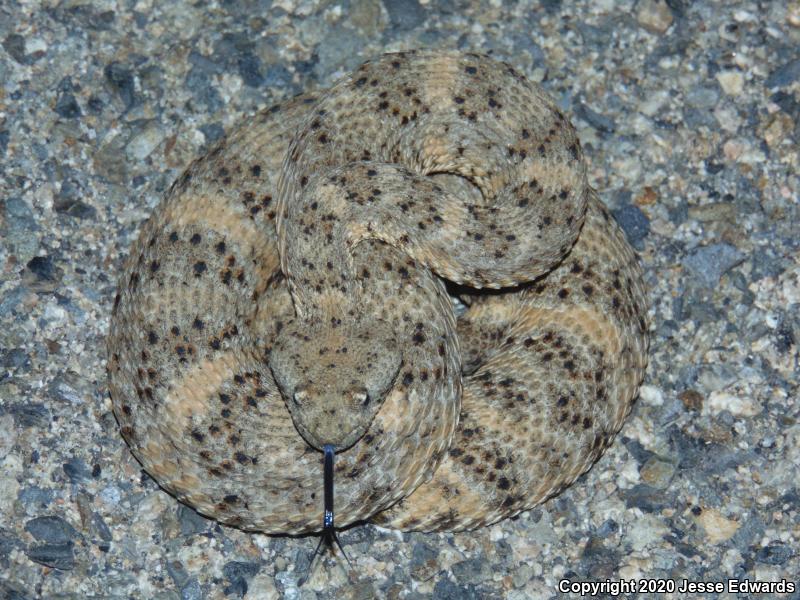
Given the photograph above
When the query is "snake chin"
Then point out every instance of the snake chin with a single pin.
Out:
(334, 378)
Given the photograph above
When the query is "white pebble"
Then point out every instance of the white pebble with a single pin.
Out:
(732, 82)
(651, 395)
(736, 405)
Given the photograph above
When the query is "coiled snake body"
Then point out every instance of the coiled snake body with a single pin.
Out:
(417, 168)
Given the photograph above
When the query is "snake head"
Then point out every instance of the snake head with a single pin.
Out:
(333, 378)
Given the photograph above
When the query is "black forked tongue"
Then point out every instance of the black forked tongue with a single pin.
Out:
(329, 536)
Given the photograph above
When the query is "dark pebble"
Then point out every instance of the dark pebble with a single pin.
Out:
(665, 124)
(422, 553)
(766, 263)
(249, 67)
(668, 327)
(245, 10)
(751, 529)
(72, 187)
(85, 15)
(593, 35)
(302, 562)
(785, 75)
(596, 548)
(19, 228)
(674, 251)
(77, 470)
(42, 267)
(120, 79)
(191, 521)
(14, 44)
(639, 452)
(448, 590)
(14, 358)
(237, 50)
(177, 572)
(138, 181)
(359, 535)
(697, 453)
(277, 76)
(784, 338)
(405, 14)
(205, 64)
(677, 308)
(601, 560)
(305, 67)
(35, 497)
(678, 213)
(66, 85)
(95, 104)
(523, 41)
(595, 120)
(787, 102)
(679, 7)
(62, 388)
(277, 544)
(100, 529)
(634, 223)
(686, 549)
(471, 570)
(140, 19)
(17, 209)
(607, 528)
(204, 92)
(700, 311)
(503, 550)
(698, 117)
(103, 20)
(708, 263)
(551, 5)
(51, 529)
(8, 542)
(239, 573)
(73, 207)
(646, 498)
(28, 414)
(788, 501)
(192, 590)
(774, 554)
(67, 106)
(231, 46)
(151, 78)
(212, 132)
(11, 591)
(57, 556)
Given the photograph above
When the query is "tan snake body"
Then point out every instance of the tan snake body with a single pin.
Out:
(419, 166)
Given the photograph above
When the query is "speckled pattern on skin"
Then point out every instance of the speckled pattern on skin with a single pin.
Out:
(226, 381)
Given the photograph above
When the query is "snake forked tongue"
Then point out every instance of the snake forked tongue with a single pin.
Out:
(328, 528)
(327, 519)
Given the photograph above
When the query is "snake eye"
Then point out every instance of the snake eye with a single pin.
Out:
(299, 397)
(362, 398)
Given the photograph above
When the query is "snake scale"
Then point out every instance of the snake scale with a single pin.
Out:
(294, 290)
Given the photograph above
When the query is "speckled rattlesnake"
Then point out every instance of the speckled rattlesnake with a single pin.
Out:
(226, 381)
